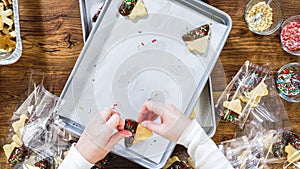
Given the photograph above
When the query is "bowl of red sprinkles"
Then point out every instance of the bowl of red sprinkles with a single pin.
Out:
(290, 35)
(288, 82)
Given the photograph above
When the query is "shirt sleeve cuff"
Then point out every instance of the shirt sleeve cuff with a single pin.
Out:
(192, 129)
(75, 160)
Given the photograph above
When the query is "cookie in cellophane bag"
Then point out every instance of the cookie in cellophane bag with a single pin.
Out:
(283, 147)
(243, 93)
(243, 152)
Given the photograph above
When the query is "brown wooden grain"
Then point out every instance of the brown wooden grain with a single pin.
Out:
(52, 40)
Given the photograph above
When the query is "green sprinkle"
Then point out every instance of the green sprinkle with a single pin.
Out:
(80, 107)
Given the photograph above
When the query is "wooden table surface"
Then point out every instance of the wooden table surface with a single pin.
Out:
(52, 40)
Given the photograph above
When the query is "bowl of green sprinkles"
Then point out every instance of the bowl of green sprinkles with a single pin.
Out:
(270, 20)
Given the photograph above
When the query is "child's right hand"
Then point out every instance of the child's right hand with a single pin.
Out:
(173, 122)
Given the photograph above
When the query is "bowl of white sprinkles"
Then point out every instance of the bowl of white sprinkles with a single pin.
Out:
(270, 20)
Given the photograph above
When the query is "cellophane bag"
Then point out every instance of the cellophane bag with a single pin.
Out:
(42, 143)
(251, 99)
(271, 149)
(270, 111)
(282, 148)
(244, 153)
(242, 94)
(34, 139)
(269, 114)
(41, 135)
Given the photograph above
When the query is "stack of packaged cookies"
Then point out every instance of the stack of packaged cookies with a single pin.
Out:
(263, 137)
(36, 141)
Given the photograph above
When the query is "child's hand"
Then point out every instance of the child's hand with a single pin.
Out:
(98, 138)
(173, 122)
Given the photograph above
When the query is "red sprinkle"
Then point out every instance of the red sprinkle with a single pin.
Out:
(142, 44)
(154, 40)
(290, 36)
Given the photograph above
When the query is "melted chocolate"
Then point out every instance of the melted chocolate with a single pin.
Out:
(130, 125)
(18, 155)
(127, 7)
(196, 33)
(95, 17)
(42, 164)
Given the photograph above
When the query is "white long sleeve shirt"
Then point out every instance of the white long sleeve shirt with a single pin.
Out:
(200, 147)
(74, 160)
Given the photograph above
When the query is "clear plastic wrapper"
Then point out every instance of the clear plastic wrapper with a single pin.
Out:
(266, 116)
(282, 146)
(270, 112)
(250, 100)
(271, 149)
(36, 133)
(243, 93)
(244, 153)
(35, 139)
(40, 134)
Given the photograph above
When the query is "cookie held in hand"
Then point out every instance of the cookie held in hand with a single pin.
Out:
(139, 133)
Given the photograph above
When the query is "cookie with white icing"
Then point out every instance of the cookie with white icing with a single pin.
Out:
(139, 133)
(196, 40)
(133, 9)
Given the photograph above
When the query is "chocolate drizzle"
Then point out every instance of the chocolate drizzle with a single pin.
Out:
(229, 116)
(42, 164)
(196, 33)
(287, 138)
(127, 7)
(102, 163)
(18, 155)
(130, 125)
(96, 15)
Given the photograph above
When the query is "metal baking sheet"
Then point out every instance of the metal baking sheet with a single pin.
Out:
(114, 67)
(204, 108)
